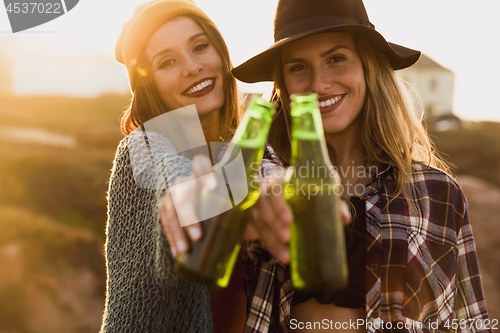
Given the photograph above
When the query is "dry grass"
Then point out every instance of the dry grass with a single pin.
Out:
(473, 151)
(67, 184)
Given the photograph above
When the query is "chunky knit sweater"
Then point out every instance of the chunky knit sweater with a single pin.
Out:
(143, 293)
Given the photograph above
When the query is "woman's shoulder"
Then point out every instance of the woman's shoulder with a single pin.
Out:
(148, 157)
(151, 140)
(424, 171)
(144, 144)
(438, 184)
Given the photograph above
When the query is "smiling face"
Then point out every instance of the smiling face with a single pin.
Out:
(329, 65)
(186, 66)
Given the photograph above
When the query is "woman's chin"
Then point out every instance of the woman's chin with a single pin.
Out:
(207, 107)
(336, 125)
(206, 110)
(333, 128)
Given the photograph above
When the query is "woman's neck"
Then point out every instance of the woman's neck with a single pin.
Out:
(210, 124)
(353, 168)
(348, 146)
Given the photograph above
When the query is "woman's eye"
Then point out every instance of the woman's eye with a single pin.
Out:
(166, 63)
(336, 58)
(297, 68)
(200, 47)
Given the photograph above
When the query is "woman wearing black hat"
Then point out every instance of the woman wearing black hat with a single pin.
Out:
(412, 258)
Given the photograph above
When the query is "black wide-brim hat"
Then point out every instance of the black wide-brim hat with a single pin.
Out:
(296, 19)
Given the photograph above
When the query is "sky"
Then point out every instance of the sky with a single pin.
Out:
(460, 35)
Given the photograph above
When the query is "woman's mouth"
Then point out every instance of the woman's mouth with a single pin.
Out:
(200, 88)
(330, 104)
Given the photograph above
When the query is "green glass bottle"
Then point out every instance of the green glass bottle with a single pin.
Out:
(317, 247)
(211, 259)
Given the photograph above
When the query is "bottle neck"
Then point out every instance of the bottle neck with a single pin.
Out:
(308, 140)
(251, 136)
(254, 127)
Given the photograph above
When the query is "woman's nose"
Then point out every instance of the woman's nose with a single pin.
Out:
(321, 82)
(192, 66)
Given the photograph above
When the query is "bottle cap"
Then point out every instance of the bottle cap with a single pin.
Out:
(261, 102)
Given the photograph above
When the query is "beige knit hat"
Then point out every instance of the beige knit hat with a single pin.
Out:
(146, 19)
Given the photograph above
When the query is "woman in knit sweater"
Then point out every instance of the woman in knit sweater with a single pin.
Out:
(175, 57)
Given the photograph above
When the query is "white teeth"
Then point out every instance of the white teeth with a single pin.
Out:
(200, 86)
(331, 101)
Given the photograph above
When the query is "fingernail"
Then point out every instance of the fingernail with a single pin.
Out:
(181, 245)
(285, 234)
(194, 233)
(284, 256)
(210, 182)
(286, 216)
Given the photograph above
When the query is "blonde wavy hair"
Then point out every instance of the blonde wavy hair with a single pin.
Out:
(146, 102)
(391, 131)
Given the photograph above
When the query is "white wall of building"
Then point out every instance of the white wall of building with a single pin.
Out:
(435, 87)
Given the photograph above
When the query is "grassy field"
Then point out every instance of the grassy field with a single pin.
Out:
(474, 150)
(67, 184)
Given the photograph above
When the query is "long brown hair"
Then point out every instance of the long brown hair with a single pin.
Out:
(391, 131)
(146, 102)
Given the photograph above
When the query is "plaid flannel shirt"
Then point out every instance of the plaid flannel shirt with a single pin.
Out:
(420, 267)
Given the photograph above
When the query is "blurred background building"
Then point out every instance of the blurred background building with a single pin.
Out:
(434, 85)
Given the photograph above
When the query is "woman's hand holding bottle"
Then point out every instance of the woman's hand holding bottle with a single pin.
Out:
(186, 206)
(269, 222)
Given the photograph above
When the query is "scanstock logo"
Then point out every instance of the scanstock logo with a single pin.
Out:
(28, 14)
(166, 143)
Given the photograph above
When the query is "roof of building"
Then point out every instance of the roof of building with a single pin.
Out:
(426, 62)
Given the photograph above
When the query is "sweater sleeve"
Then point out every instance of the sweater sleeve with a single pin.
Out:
(143, 293)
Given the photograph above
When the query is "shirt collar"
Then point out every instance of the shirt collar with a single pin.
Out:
(386, 171)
